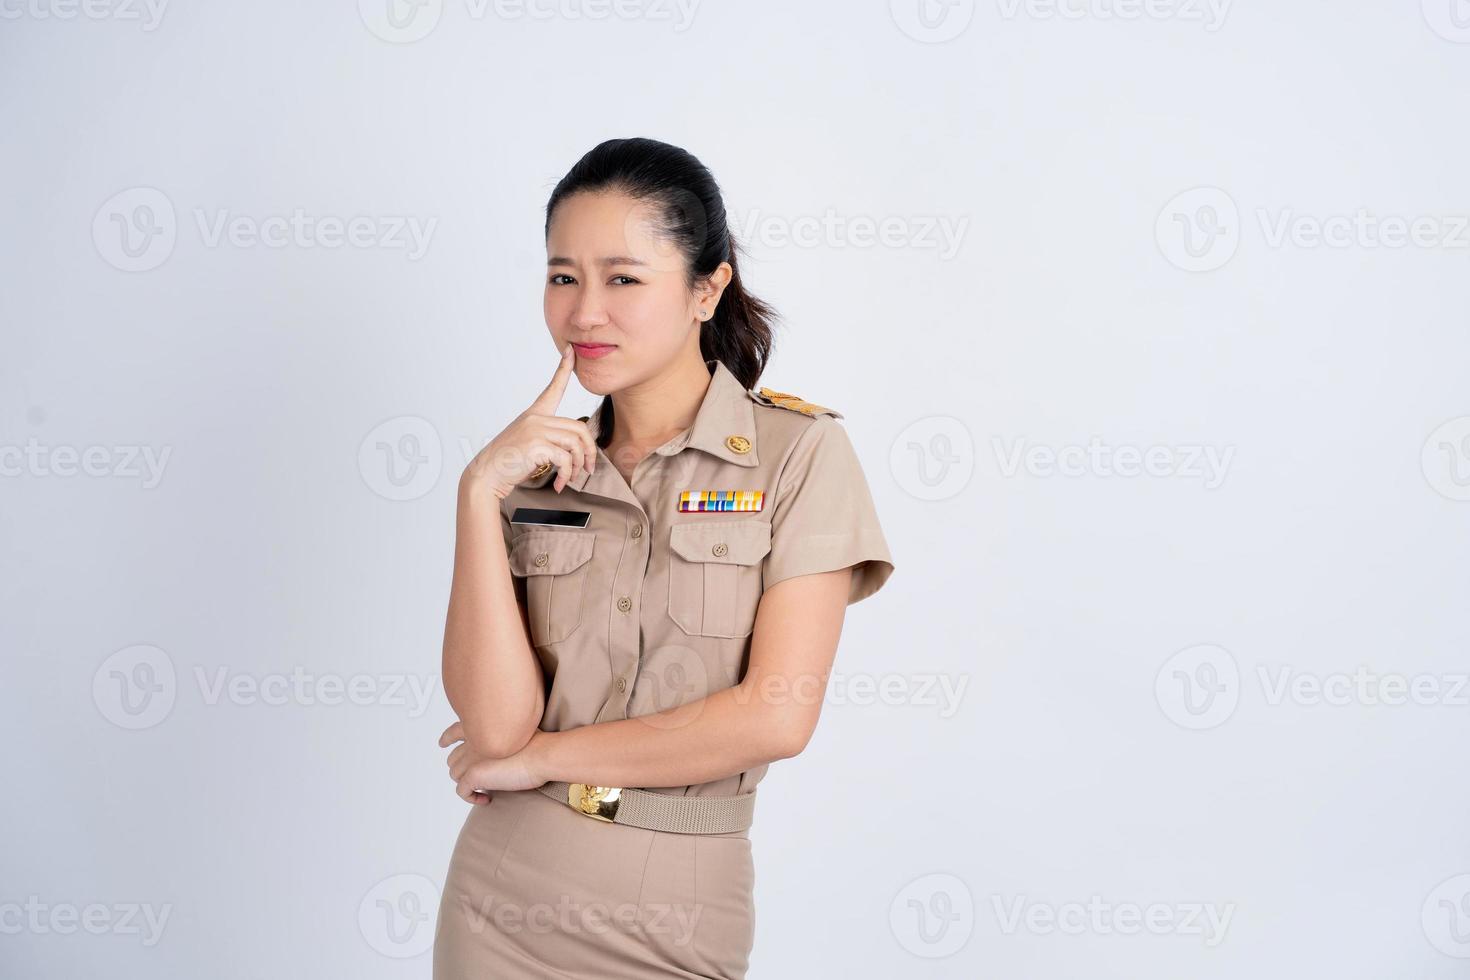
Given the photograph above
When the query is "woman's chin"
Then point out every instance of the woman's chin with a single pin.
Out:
(595, 380)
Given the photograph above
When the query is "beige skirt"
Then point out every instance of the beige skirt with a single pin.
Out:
(535, 890)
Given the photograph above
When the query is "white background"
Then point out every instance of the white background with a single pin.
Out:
(1118, 637)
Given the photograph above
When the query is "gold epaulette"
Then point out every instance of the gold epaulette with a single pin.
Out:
(795, 403)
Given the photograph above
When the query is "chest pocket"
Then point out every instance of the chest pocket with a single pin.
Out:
(554, 565)
(715, 575)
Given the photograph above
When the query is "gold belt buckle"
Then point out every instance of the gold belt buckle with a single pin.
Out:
(598, 802)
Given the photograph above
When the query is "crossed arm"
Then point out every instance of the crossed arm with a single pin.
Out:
(769, 715)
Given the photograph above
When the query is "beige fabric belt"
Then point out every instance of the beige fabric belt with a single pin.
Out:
(657, 811)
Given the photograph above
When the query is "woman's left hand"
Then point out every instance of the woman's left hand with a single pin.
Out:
(478, 775)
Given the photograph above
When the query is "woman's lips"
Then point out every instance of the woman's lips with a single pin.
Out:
(594, 350)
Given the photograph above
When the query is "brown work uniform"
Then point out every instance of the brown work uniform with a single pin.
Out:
(646, 608)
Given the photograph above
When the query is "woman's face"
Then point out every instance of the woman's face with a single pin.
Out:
(610, 282)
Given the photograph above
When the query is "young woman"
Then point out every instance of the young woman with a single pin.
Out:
(646, 602)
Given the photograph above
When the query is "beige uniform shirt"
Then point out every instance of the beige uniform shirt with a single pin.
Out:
(649, 607)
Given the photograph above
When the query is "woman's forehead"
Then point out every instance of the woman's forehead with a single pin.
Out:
(607, 228)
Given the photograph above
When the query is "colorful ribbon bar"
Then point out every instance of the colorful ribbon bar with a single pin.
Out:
(742, 500)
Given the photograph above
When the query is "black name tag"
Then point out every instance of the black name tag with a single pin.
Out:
(555, 518)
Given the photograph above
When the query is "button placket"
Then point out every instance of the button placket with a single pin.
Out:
(624, 656)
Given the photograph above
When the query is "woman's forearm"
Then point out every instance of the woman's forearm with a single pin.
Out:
(491, 675)
(718, 736)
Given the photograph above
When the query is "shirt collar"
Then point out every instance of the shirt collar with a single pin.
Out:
(727, 410)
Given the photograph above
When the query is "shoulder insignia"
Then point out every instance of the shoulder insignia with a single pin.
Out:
(795, 403)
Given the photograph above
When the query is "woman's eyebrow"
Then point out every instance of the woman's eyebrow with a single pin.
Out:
(607, 260)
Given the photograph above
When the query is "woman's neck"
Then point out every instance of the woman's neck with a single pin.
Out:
(649, 414)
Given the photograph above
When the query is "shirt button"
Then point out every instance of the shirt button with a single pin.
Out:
(637, 530)
(541, 560)
(719, 550)
(622, 685)
(624, 603)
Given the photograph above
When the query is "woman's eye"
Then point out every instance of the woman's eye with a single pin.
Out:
(629, 278)
(559, 275)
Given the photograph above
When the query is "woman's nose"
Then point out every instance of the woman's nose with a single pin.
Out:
(589, 310)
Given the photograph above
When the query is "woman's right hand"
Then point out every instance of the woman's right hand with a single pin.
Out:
(536, 436)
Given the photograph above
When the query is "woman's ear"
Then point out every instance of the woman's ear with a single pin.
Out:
(714, 287)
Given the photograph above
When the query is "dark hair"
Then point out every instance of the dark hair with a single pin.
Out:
(691, 215)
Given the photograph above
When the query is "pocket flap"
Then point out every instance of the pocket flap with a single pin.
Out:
(726, 542)
(549, 552)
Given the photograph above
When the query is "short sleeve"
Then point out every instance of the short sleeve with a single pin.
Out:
(824, 518)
